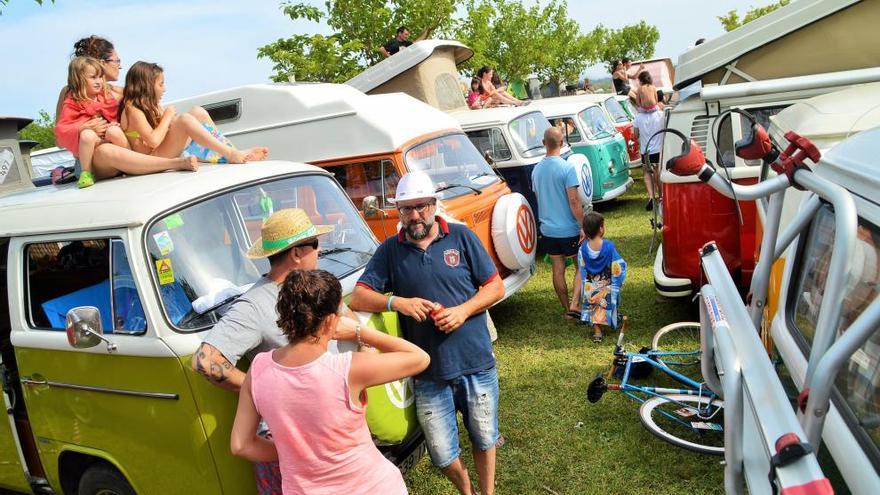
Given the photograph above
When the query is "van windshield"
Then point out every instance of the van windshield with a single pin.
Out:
(596, 123)
(197, 253)
(528, 133)
(453, 163)
(618, 114)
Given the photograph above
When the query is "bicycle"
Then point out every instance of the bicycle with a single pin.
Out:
(691, 417)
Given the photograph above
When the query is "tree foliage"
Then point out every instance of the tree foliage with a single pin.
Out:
(731, 20)
(517, 38)
(636, 42)
(41, 130)
(359, 28)
(4, 3)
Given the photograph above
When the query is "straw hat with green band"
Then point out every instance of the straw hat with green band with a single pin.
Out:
(285, 229)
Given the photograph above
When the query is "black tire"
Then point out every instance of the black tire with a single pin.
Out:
(700, 440)
(103, 479)
(680, 337)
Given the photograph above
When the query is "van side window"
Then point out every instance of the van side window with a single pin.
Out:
(491, 140)
(859, 380)
(568, 128)
(95, 272)
(374, 178)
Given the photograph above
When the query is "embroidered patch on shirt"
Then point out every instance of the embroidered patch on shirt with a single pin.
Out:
(451, 257)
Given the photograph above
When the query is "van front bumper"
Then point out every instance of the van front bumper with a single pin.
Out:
(669, 286)
(617, 191)
(517, 279)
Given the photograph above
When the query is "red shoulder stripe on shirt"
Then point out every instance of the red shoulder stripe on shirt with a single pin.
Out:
(491, 278)
(366, 286)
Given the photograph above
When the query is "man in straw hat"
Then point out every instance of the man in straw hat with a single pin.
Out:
(290, 241)
(441, 280)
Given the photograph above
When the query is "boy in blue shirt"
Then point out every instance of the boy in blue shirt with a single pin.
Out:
(602, 271)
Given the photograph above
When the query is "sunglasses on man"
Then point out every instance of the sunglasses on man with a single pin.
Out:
(419, 208)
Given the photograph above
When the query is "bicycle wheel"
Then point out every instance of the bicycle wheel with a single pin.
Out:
(692, 422)
(682, 338)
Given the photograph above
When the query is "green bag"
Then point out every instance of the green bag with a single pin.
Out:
(391, 408)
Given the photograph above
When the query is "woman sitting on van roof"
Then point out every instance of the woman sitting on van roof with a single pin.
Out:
(154, 130)
(489, 94)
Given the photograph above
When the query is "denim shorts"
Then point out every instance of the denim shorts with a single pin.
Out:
(475, 396)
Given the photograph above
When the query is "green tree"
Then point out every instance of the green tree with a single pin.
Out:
(564, 50)
(636, 42)
(731, 20)
(4, 3)
(359, 28)
(41, 131)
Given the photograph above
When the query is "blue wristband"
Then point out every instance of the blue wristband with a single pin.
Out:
(388, 304)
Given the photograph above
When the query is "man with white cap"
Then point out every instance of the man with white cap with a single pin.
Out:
(441, 280)
(290, 241)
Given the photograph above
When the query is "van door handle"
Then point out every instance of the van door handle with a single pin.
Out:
(34, 380)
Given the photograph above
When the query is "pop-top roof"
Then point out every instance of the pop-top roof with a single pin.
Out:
(404, 60)
(832, 117)
(315, 122)
(804, 37)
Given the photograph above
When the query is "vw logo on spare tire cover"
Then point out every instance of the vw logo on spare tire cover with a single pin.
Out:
(586, 180)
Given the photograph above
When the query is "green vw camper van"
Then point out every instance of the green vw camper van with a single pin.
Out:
(589, 131)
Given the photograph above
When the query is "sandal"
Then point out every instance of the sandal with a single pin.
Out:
(598, 335)
(572, 315)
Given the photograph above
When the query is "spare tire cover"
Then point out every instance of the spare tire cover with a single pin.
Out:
(585, 177)
(514, 231)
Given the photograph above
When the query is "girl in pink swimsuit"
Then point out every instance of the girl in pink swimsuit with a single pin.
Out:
(314, 402)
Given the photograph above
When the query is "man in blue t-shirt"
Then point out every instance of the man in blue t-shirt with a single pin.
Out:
(560, 215)
(441, 281)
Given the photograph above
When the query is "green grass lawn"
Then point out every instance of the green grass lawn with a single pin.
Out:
(544, 366)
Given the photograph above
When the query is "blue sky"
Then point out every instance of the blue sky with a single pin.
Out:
(206, 45)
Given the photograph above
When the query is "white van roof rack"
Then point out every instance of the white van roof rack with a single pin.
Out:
(804, 37)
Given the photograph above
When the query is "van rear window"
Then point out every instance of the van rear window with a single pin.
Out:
(859, 379)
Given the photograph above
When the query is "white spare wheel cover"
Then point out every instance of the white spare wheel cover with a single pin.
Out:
(514, 231)
(584, 175)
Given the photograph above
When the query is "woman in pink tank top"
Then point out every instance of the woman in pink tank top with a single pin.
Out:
(314, 402)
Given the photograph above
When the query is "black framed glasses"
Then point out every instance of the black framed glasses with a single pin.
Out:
(312, 244)
(419, 208)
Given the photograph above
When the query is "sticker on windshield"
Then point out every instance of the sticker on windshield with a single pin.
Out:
(165, 272)
(164, 242)
(174, 221)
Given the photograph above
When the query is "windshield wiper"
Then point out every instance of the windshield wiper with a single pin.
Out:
(483, 174)
(450, 186)
(534, 148)
(337, 250)
(220, 304)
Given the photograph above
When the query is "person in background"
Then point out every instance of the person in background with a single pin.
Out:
(587, 87)
(442, 281)
(154, 130)
(473, 96)
(314, 401)
(646, 94)
(602, 271)
(401, 40)
(645, 125)
(489, 94)
(621, 76)
(87, 96)
(560, 213)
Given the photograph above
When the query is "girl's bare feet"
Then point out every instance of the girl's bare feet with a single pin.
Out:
(189, 164)
(257, 153)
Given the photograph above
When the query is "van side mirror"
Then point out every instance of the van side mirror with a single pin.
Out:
(490, 158)
(371, 206)
(84, 328)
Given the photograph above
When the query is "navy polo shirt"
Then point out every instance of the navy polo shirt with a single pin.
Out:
(450, 271)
